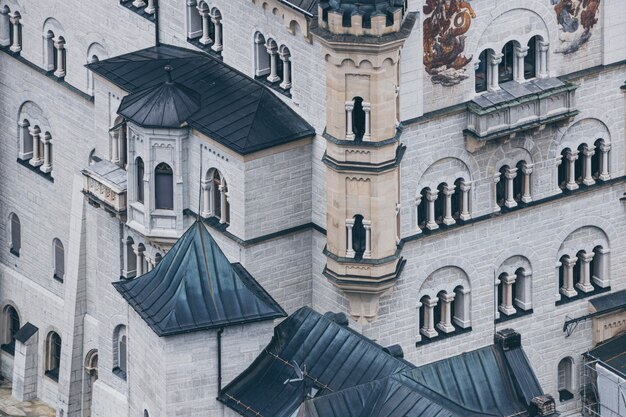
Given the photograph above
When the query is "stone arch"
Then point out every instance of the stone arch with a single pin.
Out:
(294, 27)
(512, 264)
(430, 179)
(510, 154)
(446, 279)
(96, 49)
(584, 238)
(53, 25)
(583, 129)
(33, 113)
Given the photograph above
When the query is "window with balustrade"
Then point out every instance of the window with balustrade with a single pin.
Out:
(449, 204)
(215, 196)
(513, 185)
(11, 29)
(204, 27)
(272, 64)
(583, 273)
(586, 165)
(445, 314)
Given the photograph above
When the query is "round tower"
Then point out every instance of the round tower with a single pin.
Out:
(362, 42)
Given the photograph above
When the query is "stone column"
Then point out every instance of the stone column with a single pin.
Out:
(139, 261)
(23, 128)
(349, 246)
(5, 26)
(492, 74)
(506, 283)
(429, 318)
(584, 284)
(510, 175)
(600, 273)
(47, 163)
(349, 108)
(223, 202)
(115, 147)
(523, 290)
(448, 191)
(543, 59)
(465, 212)
(431, 196)
(418, 201)
(286, 83)
(16, 46)
(367, 108)
(445, 325)
(568, 277)
(206, 198)
(588, 152)
(150, 9)
(35, 133)
(139, 3)
(461, 313)
(496, 180)
(205, 39)
(217, 24)
(527, 170)
(60, 69)
(571, 170)
(48, 51)
(604, 170)
(367, 225)
(518, 68)
(273, 77)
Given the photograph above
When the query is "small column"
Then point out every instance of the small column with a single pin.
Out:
(429, 318)
(349, 246)
(588, 152)
(139, 261)
(367, 108)
(600, 273)
(543, 59)
(223, 202)
(465, 212)
(59, 43)
(273, 77)
(496, 180)
(36, 159)
(367, 225)
(139, 3)
(349, 108)
(445, 325)
(286, 84)
(523, 290)
(217, 24)
(510, 175)
(115, 147)
(5, 26)
(448, 191)
(584, 284)
(418, 201)
(431, 196)
(604, 170)
(48, 51)
(461, 313)
(206, 198)
(205, 39)
(22, 127)
(527, 169)
(568, 277)
(520, 54)
(150, 9)
(494, 61)
(16, 46)
(47, 163)
(507, 282)
(571, 170)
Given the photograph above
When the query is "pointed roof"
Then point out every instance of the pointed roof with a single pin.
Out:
(165, 105)
(195, 287)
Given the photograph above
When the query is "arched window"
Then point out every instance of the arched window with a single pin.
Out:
(285, 67)
(50, 56)
(564, 167)
(59, 260)
(358, 119)
(480, 72)
(598, 170)
(53, 356)
(11, 325)
(428, 317)
(461, 307)
(440, 203)
(358, 237)
(530, 60)
(505, 69)
(11, 29)
(600, 267)
(120, 351)
(422, 209)
(16, 235)
(261, 56)
(457, 199)
(501, 187)
(216, 203)
(519, 182)
(25, 140)
(579, 166)
(131, 259)
(139, 178)
(145, 413)
(566, 379)
(164, 187)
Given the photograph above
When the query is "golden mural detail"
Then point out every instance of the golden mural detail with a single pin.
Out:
(576, 19)
(445, 26)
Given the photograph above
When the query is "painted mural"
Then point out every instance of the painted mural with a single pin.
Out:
(576, 19)
(445, 26)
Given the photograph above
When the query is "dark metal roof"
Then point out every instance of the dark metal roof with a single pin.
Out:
(26, 332)
(307, 6)
(609, 302)
(335, 358)
(165, 105)
(236, 110)
(612, 353)
(195, 287)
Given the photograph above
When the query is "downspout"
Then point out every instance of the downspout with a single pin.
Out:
(157, 42)
(219, 361)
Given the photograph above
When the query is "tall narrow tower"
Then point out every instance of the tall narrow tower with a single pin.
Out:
(362, 42)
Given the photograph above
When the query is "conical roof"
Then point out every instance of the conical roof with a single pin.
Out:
(165, 105)
(195, 287)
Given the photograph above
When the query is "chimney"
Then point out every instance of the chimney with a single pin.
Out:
(395, 351)
(544, 404)
(508, 339)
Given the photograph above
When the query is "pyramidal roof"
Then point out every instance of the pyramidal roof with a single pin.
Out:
(195, 287)
(165, 105)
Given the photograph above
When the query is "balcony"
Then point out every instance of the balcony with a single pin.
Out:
(105, 186)
(516, 108)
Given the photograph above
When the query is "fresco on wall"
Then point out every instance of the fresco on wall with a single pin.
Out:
(576, 19)
(445, 26)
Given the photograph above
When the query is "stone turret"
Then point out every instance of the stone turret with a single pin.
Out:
(363, 41)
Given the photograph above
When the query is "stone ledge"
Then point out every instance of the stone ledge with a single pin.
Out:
(36, 170)
(138, 10)
(520, 313)
(580, 295)
(442, 336)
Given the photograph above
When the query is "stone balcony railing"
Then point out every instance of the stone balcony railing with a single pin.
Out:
(106, 186)
(516, 108)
